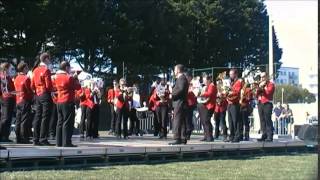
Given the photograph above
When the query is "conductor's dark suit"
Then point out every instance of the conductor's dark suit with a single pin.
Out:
(179, 97)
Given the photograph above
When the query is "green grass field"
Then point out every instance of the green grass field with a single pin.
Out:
(299, 166)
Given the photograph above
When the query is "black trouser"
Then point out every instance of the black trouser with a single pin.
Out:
(53, 121)
(7, 106)
(163, 118)
(179, 122)
(122, 116)
(234, 118)
(42, 117)
(82, 125)
(220, 119)
(244, 122)
(23, 120)
(113, 118)
(156, 124)
(95, 120)
(134, 122)
(65, 125)
(90, 123)
(205, 119)
(189, 118)
(266, 126)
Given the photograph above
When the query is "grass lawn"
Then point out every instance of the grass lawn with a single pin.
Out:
(299, 166)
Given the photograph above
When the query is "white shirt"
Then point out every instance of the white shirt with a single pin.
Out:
(136, 100)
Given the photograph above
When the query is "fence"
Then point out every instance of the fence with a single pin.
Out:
(283, 126)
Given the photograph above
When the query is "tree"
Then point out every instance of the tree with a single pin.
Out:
(293, 94)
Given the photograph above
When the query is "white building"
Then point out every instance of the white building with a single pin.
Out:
(288, 75)
(311, 81)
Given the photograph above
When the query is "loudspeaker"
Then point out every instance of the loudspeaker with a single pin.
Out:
(308, 132)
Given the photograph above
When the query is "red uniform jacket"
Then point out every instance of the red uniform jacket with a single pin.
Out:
(248, 97)
(152, 102)
(86, 100)
(10, 86)
(211, 93)
(121, 101)
(66, 87)
(266, 94)
(222, 107)
(191, 99)
(110, 95)
(41, 80)
(157, 101)
(22, 84)
(54, 89)
(235, 91)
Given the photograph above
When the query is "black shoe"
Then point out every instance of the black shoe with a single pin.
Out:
(125, 137)
(216, 136)
(230, 139)
(1, 147)
(203, 139)
(69, 145)
(118, 137)
(184, 141)
(235, 140)
(241, 138)
(210, 139)
(268, 140)
(45, 143)
(160, 137)
(225, 139)
(52, 137)
(261, 139)
(188, 137)
(176, 142)
(36, 143)
(246, 139)
(82, 136)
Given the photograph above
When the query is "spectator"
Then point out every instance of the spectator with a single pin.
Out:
(286, 117)
(276, 114)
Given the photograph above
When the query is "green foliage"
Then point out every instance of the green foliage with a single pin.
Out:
(293, 94)
(150, 36)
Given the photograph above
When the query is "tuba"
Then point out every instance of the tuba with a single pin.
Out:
(198, 92)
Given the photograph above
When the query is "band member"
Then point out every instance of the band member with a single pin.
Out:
(245, 110)
(42, 85)
(206, 109)
(191, 106)
(66, 86)
(24, 97)
(265, 94)
(54, 113)
(161, 94)
(233, 98)
(179, 97)
(8, 100)
(110, 100)
(122, 109)
(134, 104)
(152, 107)
(96, 109)
(220, 114)
(87, 105)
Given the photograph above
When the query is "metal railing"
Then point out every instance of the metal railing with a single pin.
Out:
(283, 126)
